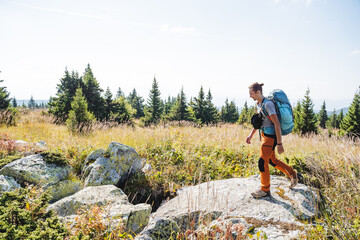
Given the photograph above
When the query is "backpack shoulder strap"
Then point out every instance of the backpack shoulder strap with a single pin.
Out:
(263, 106)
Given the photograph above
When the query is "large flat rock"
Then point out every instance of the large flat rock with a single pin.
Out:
(116, 206)
(277, 216)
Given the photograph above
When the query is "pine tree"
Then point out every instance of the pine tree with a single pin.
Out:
(167, 105)
(333, 120)
(297, 118)
(198, 106)
(14, 103)
(80, 118)
(153, 109)
(307, 117)
(92, 93)
(340, 118)
(229, 113)
(108, 104)
(137, 103)
(120, 93)
(31, 103)
(4, 97)
(323, 116)
(211, 113)
(243, 118)
(179, 110)
(122, 111)
(350, 125)
(60, 105)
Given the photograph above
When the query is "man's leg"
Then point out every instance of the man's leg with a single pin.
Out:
(265, 154)
(280, 165)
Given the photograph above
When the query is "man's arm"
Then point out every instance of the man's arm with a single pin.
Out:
(275, 120)
(248, 139)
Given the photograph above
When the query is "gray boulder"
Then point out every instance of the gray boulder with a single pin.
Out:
(115, 203)
(112, 166)
(159, 228)
(34, 170)
(8, 184)
(276, 216)
(62, 189)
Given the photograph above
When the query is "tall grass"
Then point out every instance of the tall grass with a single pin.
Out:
(186, 155)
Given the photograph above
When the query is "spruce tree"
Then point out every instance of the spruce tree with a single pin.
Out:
(4, 97)
(14, 103)
(179, 110)
(108, 104)
(137, 103)
(323, 116)
(122, 111)
(229, 113)
(92, 93)
(333, 120)
(60, 105)
(340, 118)
(167, 105)
(350, 125)
(120, 93)
(153, 109)
(80, 118)
(198, 106)
(307, 117)
(211, 113)
(243, 118)
(297, 118)
(31, 103)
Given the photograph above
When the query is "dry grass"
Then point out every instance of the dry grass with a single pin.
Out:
(334, 162)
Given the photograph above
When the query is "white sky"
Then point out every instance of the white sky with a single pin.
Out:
(221, 45)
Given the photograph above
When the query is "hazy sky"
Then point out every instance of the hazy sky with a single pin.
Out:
(222, 45)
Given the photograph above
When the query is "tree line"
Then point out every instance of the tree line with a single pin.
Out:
(80, 101)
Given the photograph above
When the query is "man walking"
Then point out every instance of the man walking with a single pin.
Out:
(270, 139)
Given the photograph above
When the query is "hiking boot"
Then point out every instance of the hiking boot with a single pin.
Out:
(294, 180)
(260, 193)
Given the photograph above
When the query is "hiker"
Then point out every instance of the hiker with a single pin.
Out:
(270, 131)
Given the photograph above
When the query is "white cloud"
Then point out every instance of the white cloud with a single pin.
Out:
(306, 2)
(164, 28)
(178, 29)
(60, 11)
(355, 52)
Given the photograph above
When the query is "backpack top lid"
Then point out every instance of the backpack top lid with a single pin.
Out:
(279, 95)
(283, 110)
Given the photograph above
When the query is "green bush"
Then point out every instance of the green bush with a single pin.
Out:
(23, 215)
(56, 157)
(9, 117)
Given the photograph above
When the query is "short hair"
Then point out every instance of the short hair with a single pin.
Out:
(256, 87)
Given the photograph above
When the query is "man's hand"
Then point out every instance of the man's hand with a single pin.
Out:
(280, 149)
(248, 139)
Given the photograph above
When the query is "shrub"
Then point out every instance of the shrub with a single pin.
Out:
(23, 215)
(8, 117)
(80, 119)
(91, 224)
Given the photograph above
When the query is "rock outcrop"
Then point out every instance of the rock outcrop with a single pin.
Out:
(111, 166)
(35, 170)
(116, 206)
(224, 203)
(8, 184)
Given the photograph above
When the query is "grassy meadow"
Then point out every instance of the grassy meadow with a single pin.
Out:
(187, 155)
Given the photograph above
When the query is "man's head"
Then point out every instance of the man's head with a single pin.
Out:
(255, 91)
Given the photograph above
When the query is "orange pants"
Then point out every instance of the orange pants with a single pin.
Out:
(267, 155)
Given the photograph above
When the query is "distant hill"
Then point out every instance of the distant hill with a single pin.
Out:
(345, 110)
(20, 102)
